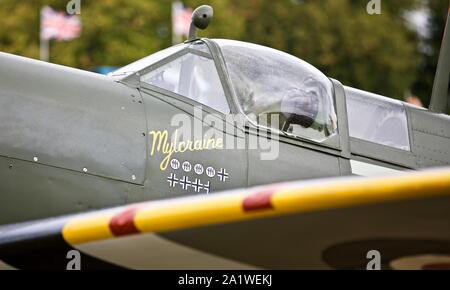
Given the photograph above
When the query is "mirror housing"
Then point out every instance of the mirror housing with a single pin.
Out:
(201, 18)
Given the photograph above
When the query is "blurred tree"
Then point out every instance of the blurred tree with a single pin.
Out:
(396, 7)
(436, 24)
(376, 53)
(114, 31)
(228, 21)
(19, 30)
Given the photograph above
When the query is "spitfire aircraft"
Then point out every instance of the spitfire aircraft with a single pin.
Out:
(95, 165)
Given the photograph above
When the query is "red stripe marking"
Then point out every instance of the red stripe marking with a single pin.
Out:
(259, 200)
(122, 224)
(438, 266)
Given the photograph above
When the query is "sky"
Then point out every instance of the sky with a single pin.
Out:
(418, 19)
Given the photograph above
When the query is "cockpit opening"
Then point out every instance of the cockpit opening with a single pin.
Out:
(273, 89)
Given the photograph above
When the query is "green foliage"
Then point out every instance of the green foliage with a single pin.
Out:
(424, 83)
(115, 32)
(377, 53)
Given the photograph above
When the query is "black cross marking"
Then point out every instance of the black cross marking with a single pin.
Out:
(223, 175)
(206, 187)
(197, 185)
(185, 183)
(172, 180)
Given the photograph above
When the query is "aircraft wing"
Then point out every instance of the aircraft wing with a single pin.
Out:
(327, 223)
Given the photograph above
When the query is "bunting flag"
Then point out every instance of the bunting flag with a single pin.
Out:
(57, 25)
(181, 19)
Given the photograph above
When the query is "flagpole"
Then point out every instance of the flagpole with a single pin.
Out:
(44, 43)
(56, 25)
(176, 38)
(44, 49)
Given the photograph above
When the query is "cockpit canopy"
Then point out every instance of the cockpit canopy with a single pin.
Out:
(273, 89)
(280, 91)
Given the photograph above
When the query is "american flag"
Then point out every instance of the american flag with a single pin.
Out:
(58, 25)
(181, 19)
